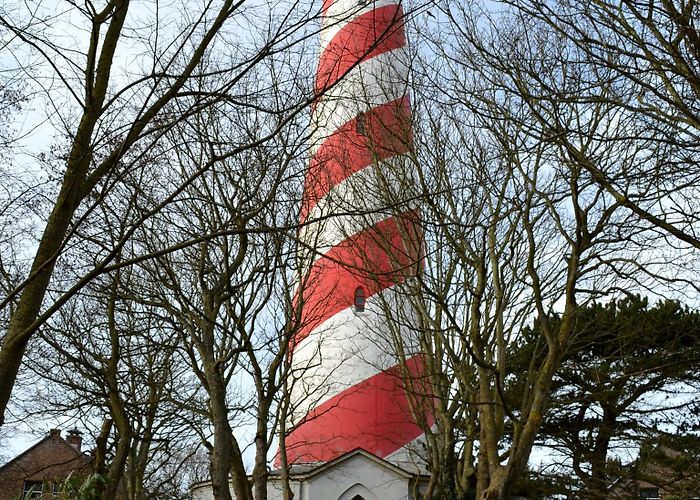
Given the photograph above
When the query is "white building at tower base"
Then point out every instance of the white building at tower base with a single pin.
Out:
(356, 475)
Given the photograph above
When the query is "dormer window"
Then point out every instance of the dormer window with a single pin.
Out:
(360, 299)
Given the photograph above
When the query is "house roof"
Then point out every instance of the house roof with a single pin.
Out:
(304, 471)
(307, 471)
(318, 469)
(53, 435)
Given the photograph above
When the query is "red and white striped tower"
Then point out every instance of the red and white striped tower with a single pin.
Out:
(361, 243)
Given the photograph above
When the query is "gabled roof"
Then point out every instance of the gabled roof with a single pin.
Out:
(39, 444)
(307, 471)
(312, 470)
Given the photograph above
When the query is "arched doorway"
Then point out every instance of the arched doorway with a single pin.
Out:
(357, 492)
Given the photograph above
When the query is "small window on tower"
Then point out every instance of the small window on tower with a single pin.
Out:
(360, 299)
(360, 124)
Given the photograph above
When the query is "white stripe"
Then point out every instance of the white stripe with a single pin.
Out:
(376, 81)
(348, 348)
(342, 12)
(413, 456)
(361, 201)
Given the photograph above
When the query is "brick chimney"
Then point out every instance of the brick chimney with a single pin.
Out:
(55, 433)
(75, 438)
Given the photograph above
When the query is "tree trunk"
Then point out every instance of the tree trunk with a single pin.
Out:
(221, 453)
(20, 328)
(73, 191)
(260, 469)
(597, 482)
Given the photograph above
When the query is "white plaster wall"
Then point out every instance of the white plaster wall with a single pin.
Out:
(382, 482)
(202, 492)
(274, 491)
(356, 475)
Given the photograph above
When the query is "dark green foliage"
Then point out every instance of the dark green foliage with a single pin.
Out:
(621, 379)
(671, 462)
(77, 487)
(535, 486)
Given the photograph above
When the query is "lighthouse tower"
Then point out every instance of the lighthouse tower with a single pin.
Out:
(355, 355)
(357, 389)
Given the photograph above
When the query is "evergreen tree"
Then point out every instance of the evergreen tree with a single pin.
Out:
(627, 372)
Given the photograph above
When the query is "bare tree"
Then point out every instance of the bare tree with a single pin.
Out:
(113, 115)
(638, 64)
(222, 294)
(113, 365)
(516, 227)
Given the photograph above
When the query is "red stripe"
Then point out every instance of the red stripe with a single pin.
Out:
(366, 36)
(346, 151)
(375, 259)
(326, 4)
(374, 415)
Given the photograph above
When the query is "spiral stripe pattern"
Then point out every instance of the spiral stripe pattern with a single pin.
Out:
(360, 244)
